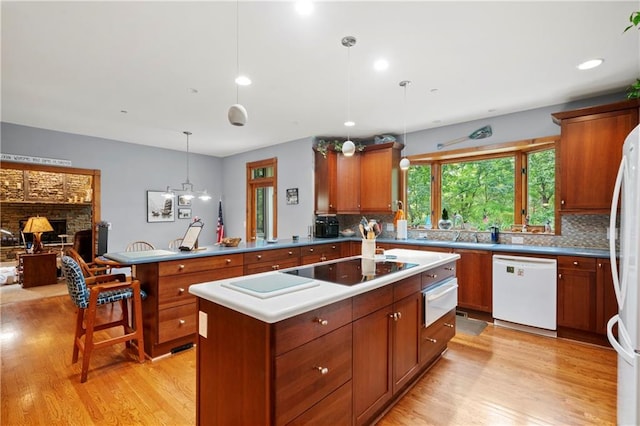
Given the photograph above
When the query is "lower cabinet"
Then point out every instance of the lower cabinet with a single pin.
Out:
(321, 252)
(434, 339)
(475, 280)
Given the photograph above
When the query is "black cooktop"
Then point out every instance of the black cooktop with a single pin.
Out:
(351, 271)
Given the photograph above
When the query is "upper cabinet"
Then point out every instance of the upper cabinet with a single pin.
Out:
(589, 153)
(368, 182)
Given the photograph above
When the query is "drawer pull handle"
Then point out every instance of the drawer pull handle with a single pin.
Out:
(322, 370)
(323, 258)
(333, 247)
(274, 267)
(259, 256)
(432, 275)
(290, 253)
(228, 261)
(181, 290)
(575, 263)
(322, 321)
(446, 324)
(310, 250)
(449, 268)
(396, 316)
(182, 322)
(181, 266)
(431, 340)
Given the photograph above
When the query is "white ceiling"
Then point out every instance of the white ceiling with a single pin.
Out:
(74, 66)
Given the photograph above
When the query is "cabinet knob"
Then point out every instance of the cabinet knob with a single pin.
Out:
(323, 258)
(599, 265)
(181, 322)
(446, 324)
(290, 253)
(560, 276)
(396, 316)
(275, 267)
(575, 263)
(228, 261)
(562, 202)
(322, 370)
(449, 268)
(432, 275)
(310, 250)
(321, 321)
(181, 266)
(181, 290)
(259, 256)
(333, 247)
(431, 340)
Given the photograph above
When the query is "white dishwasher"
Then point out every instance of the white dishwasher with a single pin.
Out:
(524, 293)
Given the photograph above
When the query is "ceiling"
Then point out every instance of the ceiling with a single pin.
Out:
(143, 72)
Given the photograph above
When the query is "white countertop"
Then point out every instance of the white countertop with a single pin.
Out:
(305, 298)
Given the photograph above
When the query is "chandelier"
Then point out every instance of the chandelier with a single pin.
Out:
(187, 191)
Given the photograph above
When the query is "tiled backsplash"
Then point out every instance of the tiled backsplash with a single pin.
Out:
(589, 231)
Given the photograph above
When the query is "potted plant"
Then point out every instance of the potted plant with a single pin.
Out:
(445, 223)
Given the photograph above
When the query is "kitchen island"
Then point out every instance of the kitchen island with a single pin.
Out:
(314, 351)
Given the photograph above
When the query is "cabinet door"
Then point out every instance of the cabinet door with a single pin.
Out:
(474, 270)
(325, 182)
(589, 155)
(379, 180)
(348, 191)
(372, 386)
(577, 299)
(406, 340)
(606, 296)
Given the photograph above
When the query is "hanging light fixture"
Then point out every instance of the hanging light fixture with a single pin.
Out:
(237, 113)
(405, 163)
(348, 147)
(187, 190)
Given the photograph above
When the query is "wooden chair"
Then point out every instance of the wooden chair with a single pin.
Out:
(140, 246)
(89, 270)
(107, 289)
(175, 244)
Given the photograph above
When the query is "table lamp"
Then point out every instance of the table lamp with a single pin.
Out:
(36, 225)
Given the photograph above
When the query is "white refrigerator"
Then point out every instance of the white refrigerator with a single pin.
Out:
(626, 284)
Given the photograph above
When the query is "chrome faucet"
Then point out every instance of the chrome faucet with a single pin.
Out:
(456, 217)
(475, 237)
(456, 235)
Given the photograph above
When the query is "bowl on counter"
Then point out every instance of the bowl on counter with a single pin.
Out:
(347, 233)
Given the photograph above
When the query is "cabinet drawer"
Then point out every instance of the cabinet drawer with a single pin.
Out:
(271, 255)
(319, 257)
(434, 338)
(438, 274)
(293, 332)
(406, 287)
(176, 322)
(254, 268)
(174, 267)
(332, 410)
(307, 374)
(325, 249)
(174, 290)
(577, 263)
(371, 301)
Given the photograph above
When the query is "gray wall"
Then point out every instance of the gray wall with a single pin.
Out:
(129, 170)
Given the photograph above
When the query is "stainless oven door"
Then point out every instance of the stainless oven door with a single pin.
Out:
(440, 299)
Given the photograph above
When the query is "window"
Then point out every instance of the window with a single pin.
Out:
(506, 185)
(262, 196)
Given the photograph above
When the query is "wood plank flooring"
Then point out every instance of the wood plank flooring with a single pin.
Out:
(499, 377)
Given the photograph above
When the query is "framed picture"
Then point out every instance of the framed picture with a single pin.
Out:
(184, 213)
(292, 196)
(183, 201)
(159, 207)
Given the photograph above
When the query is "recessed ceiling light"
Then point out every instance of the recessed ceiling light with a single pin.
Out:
(124, 111)
(243, 80)
(591, 63)
(349, 123)
(304, 7)
(433, 90)
(381, 65)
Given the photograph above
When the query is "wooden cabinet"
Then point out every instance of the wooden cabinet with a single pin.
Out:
(605, 294)
(321, 252)
(348, 188)
(474, 273)
(380, 178)
(37, 269)
(326, 183)
(434, 339)
(386, 348)
(589, 153)
(368, 182)
(169, 310)
(577, 293)
(271, 260)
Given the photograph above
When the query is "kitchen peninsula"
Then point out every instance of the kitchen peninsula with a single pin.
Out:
(289, 348)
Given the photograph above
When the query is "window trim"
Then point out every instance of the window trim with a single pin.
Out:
(518, 149)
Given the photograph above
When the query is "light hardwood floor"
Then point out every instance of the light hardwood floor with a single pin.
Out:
(499, 377)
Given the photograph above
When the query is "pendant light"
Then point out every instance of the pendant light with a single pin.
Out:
(187, 191)
(405, 163)
(237, 113)
(348, 147)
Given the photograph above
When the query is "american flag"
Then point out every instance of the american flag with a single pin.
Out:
(220, 227)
